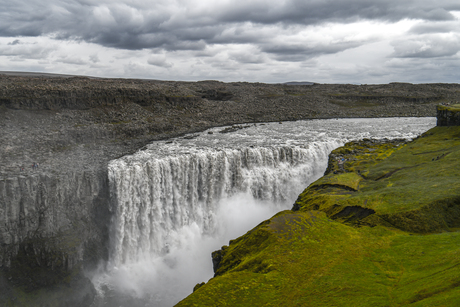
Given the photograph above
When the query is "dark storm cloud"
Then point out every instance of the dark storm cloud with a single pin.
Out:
(318, 11)
(436, 27)
(15, 42)
(159, 61)
(298, 52)
(177, 25)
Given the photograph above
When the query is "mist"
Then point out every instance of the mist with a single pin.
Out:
(165, 279)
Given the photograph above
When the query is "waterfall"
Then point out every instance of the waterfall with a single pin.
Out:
(176, 201)
(154, 197)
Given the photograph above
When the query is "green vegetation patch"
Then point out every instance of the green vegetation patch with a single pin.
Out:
(311, 260)
(345, 180)
(452, 107)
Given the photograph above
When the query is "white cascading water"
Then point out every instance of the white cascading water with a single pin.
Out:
(177, 201)
(159, 196)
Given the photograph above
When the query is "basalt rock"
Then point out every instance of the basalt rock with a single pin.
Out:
(52, 224)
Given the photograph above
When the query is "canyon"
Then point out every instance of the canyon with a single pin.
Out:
(55, 217)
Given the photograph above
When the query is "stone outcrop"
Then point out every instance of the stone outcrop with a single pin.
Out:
(448, 115)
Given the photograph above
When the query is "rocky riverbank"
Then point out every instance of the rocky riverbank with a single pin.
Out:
(58, 134)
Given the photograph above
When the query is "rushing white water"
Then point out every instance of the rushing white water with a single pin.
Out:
(176, 201)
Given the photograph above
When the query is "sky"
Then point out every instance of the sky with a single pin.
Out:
(324, 41)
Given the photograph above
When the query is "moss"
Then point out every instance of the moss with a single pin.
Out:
(347, 180)
(197, 286)
(452, 107)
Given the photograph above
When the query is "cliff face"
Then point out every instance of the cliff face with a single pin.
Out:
(54, 219)
(62, 207)
(448, 115)
(51, 225)
(85, 97)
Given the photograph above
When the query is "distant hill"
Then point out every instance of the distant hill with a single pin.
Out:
(38, 74)
(299, 83)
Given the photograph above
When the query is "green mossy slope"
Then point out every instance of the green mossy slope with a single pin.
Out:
(325, 254)
(413, 187)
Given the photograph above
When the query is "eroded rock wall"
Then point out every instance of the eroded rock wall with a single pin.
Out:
(53, 222)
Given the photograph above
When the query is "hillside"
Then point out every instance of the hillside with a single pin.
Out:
(379, 229)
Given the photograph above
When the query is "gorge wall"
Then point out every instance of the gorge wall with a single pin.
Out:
(54, 219)
(52, 224)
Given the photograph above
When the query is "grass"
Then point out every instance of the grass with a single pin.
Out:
(325, 253)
